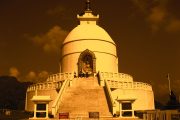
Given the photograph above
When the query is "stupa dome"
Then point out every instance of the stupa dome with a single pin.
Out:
(88, 31)
(88, 40)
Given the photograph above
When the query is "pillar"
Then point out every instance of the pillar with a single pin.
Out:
(120, 110)
(35, 110)
(47, 109)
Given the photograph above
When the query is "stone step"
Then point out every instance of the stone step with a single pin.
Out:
(84, 96)
(89, 82)
(79, 117)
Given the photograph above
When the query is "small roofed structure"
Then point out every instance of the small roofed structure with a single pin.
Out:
(41, 105)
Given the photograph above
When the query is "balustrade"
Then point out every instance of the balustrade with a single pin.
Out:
(44, 86)
(116, 76)
(60, 77)
(53, 82)
(129, 85)
(124, 81)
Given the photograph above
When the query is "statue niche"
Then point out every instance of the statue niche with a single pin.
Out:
(86, 63)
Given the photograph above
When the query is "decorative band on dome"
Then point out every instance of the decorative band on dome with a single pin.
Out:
(92, 51)
(88, 39)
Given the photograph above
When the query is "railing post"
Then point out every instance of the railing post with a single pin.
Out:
(101, 78)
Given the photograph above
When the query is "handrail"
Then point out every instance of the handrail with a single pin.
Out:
(142, 85)
(116, 76)
(121, 80)
(57, 101)
(60, 77)
(129, 85)
(112, 102)
(44, 86)
(52, 82)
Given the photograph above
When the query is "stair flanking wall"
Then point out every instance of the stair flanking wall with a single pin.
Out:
(111, 102)
(58, 99)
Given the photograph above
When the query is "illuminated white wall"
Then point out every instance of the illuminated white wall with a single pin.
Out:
(105, 53)
(144, 99)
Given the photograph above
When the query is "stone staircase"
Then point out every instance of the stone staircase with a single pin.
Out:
(84, 96)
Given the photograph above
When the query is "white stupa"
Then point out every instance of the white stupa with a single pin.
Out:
(89, 84)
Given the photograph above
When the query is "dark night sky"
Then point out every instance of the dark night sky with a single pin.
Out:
(147, 34)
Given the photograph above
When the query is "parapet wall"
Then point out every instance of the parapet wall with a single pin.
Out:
(144, 99)
(116, 76)
(49, 88)
(122, 81)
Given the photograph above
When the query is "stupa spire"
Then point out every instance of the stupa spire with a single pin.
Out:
(87, 16)
(88, 5)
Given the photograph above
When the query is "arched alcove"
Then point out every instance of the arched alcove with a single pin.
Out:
(87, 62)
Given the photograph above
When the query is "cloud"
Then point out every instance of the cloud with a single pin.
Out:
(52, 40)
(173, 26)
(141, 5)
(33, 76)
(157, 17)
(43, 75)
(13, 71)
(57, 11)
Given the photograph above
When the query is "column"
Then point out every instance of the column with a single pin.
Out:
(133, 113)
(47, 110)
(144, 116)
(132, 106)
(35, 109)
(120, 110)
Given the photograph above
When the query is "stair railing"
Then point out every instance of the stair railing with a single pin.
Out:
(108, 92)
(57, 101)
